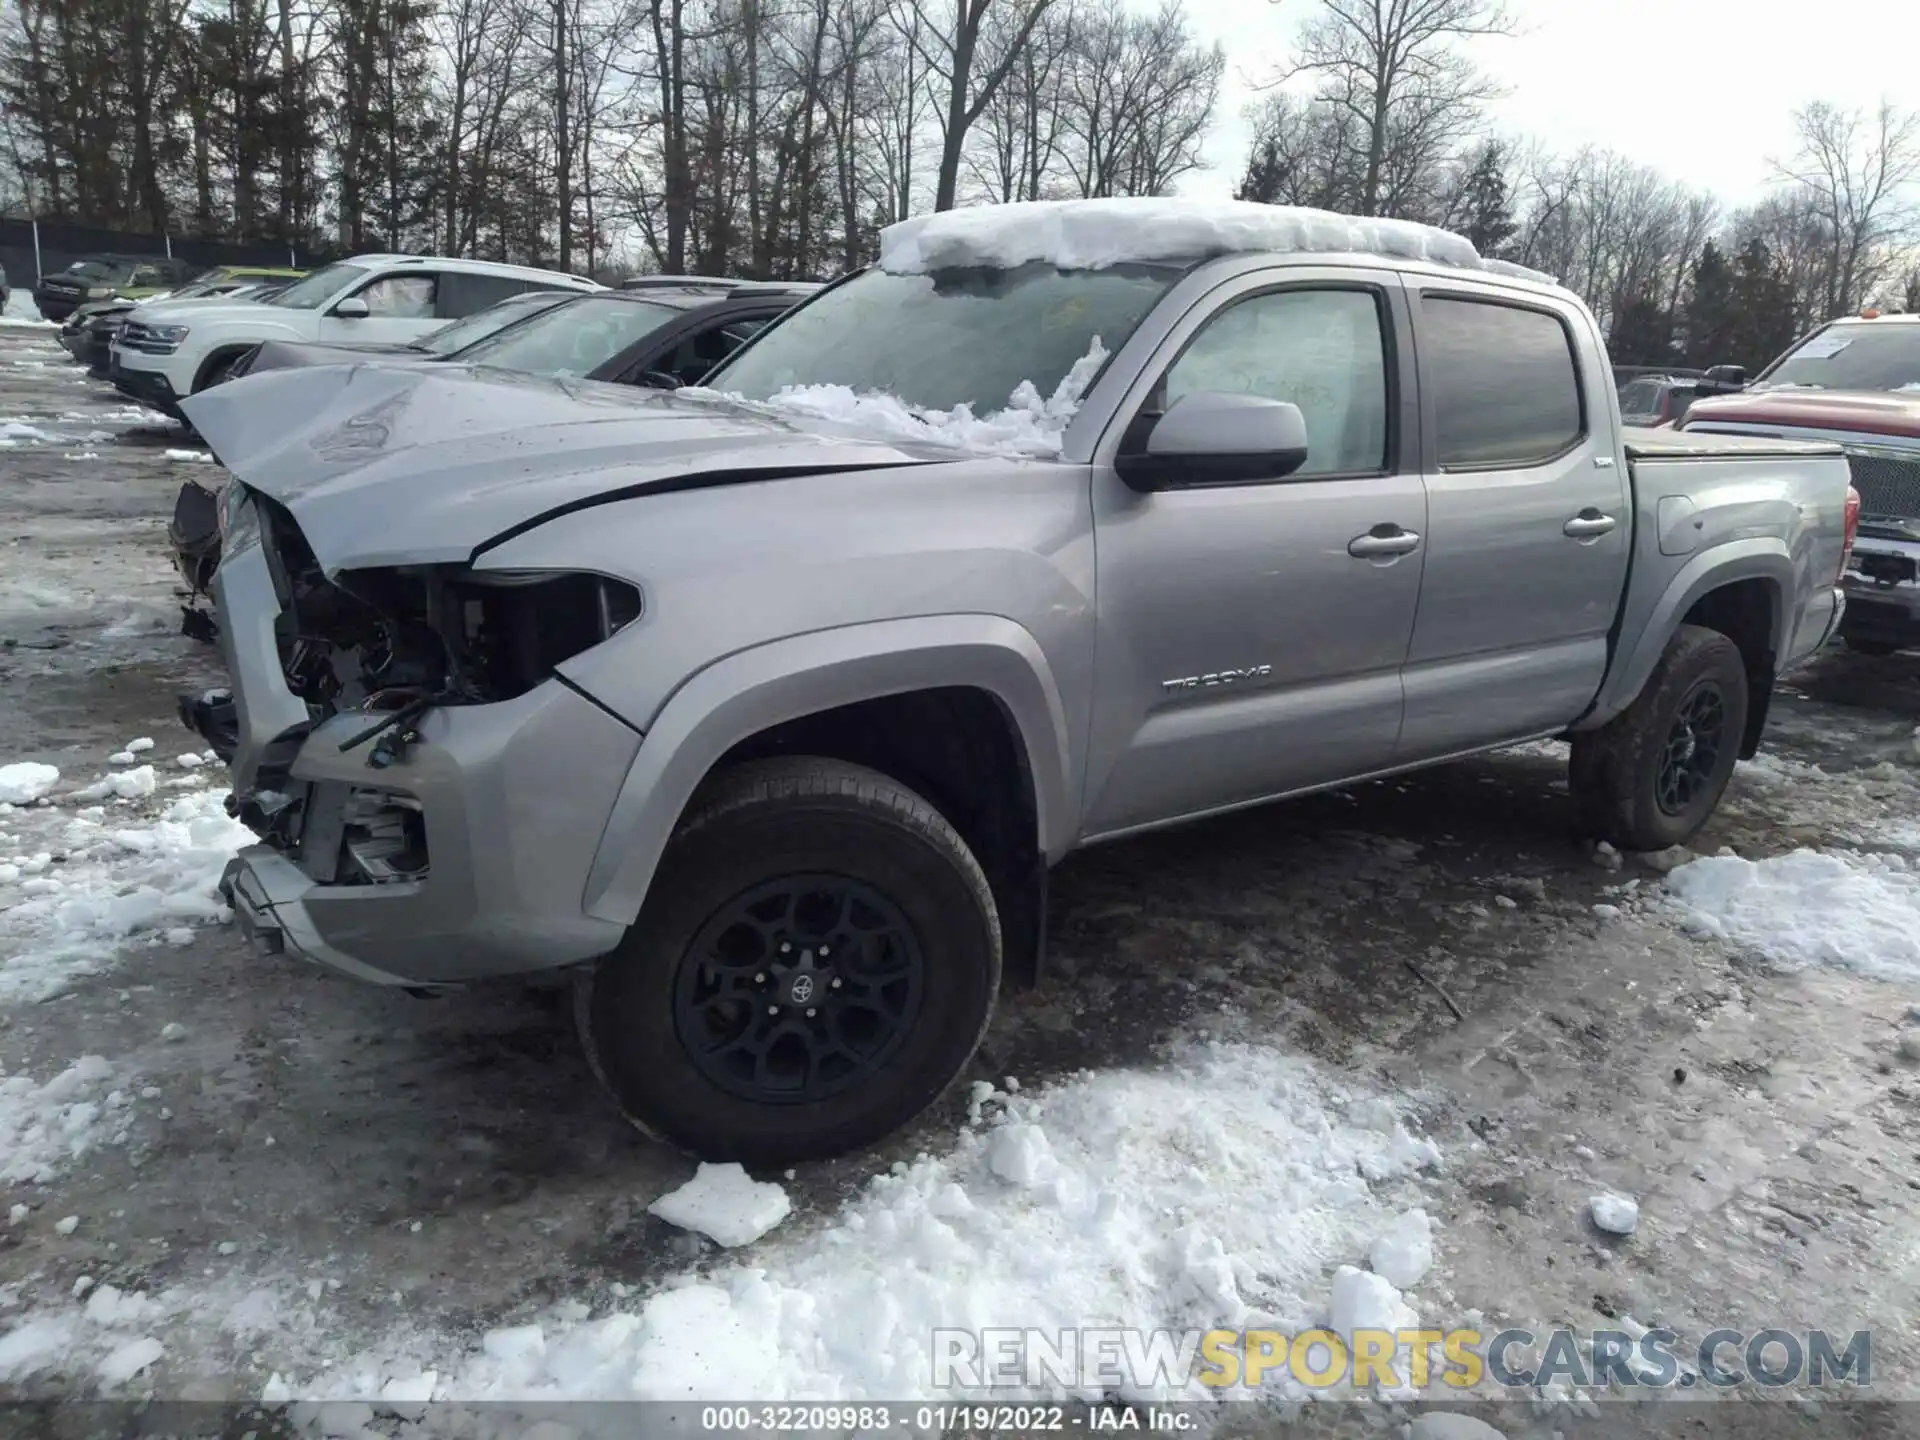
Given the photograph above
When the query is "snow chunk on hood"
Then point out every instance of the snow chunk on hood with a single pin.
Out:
(1030, 427)
(1093, 234)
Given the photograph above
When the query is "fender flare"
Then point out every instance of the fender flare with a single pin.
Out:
(738, 696)
(1759, 558)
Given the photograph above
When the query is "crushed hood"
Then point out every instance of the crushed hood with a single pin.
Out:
(401, 464)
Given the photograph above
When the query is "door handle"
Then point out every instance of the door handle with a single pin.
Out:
(1588, 525)
(1383, 542)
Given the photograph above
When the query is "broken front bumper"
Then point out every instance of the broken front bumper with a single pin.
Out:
(464, 859)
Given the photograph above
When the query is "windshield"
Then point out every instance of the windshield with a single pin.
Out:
(319, 287)
(1866, 356)
(476, 327)
(94, 268)
(956, 337)
(573, 339)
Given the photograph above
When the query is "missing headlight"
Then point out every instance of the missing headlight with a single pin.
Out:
(519, 626)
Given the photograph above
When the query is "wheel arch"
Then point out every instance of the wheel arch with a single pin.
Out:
(761, 700)
(1740, 589)
(217, 356)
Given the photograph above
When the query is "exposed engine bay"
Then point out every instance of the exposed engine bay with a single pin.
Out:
(391, 644)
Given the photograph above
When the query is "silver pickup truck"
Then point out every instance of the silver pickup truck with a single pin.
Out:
(766, 709)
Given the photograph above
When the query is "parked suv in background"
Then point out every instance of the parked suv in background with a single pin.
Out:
(159, 360)
(88, 331)
(100, 277)
(1856, 381)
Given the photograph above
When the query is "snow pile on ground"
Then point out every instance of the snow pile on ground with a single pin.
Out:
(13, 432)
(21, 312)
(111, 1335)
(121, 876)
(25, 782)
(1221, 1190)
(45, 1127)
(1030, 426)
(1808, 907)
(725, 1204)
(1093, 234)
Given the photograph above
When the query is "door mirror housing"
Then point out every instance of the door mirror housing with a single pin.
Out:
(351, 308)
(1212, 437)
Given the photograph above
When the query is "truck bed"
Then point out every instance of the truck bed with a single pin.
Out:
(1706, 445)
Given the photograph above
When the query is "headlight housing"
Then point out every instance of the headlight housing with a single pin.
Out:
(239, 521)
(168, 334)
(99, 292)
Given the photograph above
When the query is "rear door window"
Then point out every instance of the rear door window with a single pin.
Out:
(401, 297)
(463, 294)
(1506, 391)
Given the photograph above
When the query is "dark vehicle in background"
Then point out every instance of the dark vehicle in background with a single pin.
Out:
(1655, 401)
(447, 341)
(1855, 381)
(235, 282)
(5, 292)
(101, 277)
(663, 338)
(1653, 397)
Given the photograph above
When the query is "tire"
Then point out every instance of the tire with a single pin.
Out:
(774, 828)
(1617, 772)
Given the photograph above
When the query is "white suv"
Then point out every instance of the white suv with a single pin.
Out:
(162, 357)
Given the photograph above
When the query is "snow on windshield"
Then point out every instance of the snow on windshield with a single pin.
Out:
(1031, 426)
(1093, 234)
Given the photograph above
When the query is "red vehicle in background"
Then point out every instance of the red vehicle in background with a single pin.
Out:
(1855, 381)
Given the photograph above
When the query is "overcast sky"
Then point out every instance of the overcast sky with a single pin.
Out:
(1702, 89)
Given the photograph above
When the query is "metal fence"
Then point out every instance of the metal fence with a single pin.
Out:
(32, 248)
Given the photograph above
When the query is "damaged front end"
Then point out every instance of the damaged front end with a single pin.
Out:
(385, 647)
(393, 734)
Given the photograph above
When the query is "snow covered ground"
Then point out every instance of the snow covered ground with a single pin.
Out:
(1245, 1098)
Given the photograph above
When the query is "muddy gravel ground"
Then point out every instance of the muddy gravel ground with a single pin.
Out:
(449, 1158)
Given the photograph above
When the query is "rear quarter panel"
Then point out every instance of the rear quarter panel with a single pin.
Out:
(1711, 511)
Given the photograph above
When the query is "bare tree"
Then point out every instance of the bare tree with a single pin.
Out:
(1394, 67)
(1853, 167)
(948, 36)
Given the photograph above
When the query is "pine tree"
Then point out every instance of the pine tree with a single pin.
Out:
(1266, 176)
(1764, 323)
(1642, 334)
(1710, 309)
(1490, 222)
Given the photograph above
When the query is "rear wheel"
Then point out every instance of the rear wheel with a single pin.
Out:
(1652, 776)
(817, 959)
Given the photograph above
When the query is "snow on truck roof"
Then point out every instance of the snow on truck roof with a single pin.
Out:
(1092, 234)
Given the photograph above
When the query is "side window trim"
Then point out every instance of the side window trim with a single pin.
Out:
(1390, 307)
(1430, 417)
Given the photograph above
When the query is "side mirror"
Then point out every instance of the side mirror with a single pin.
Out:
(659, 380)
(1731, 375)
(1216, 438)
(351, 308)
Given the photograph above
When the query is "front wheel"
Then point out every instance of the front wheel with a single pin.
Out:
(816, 961)
(1652, 776)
